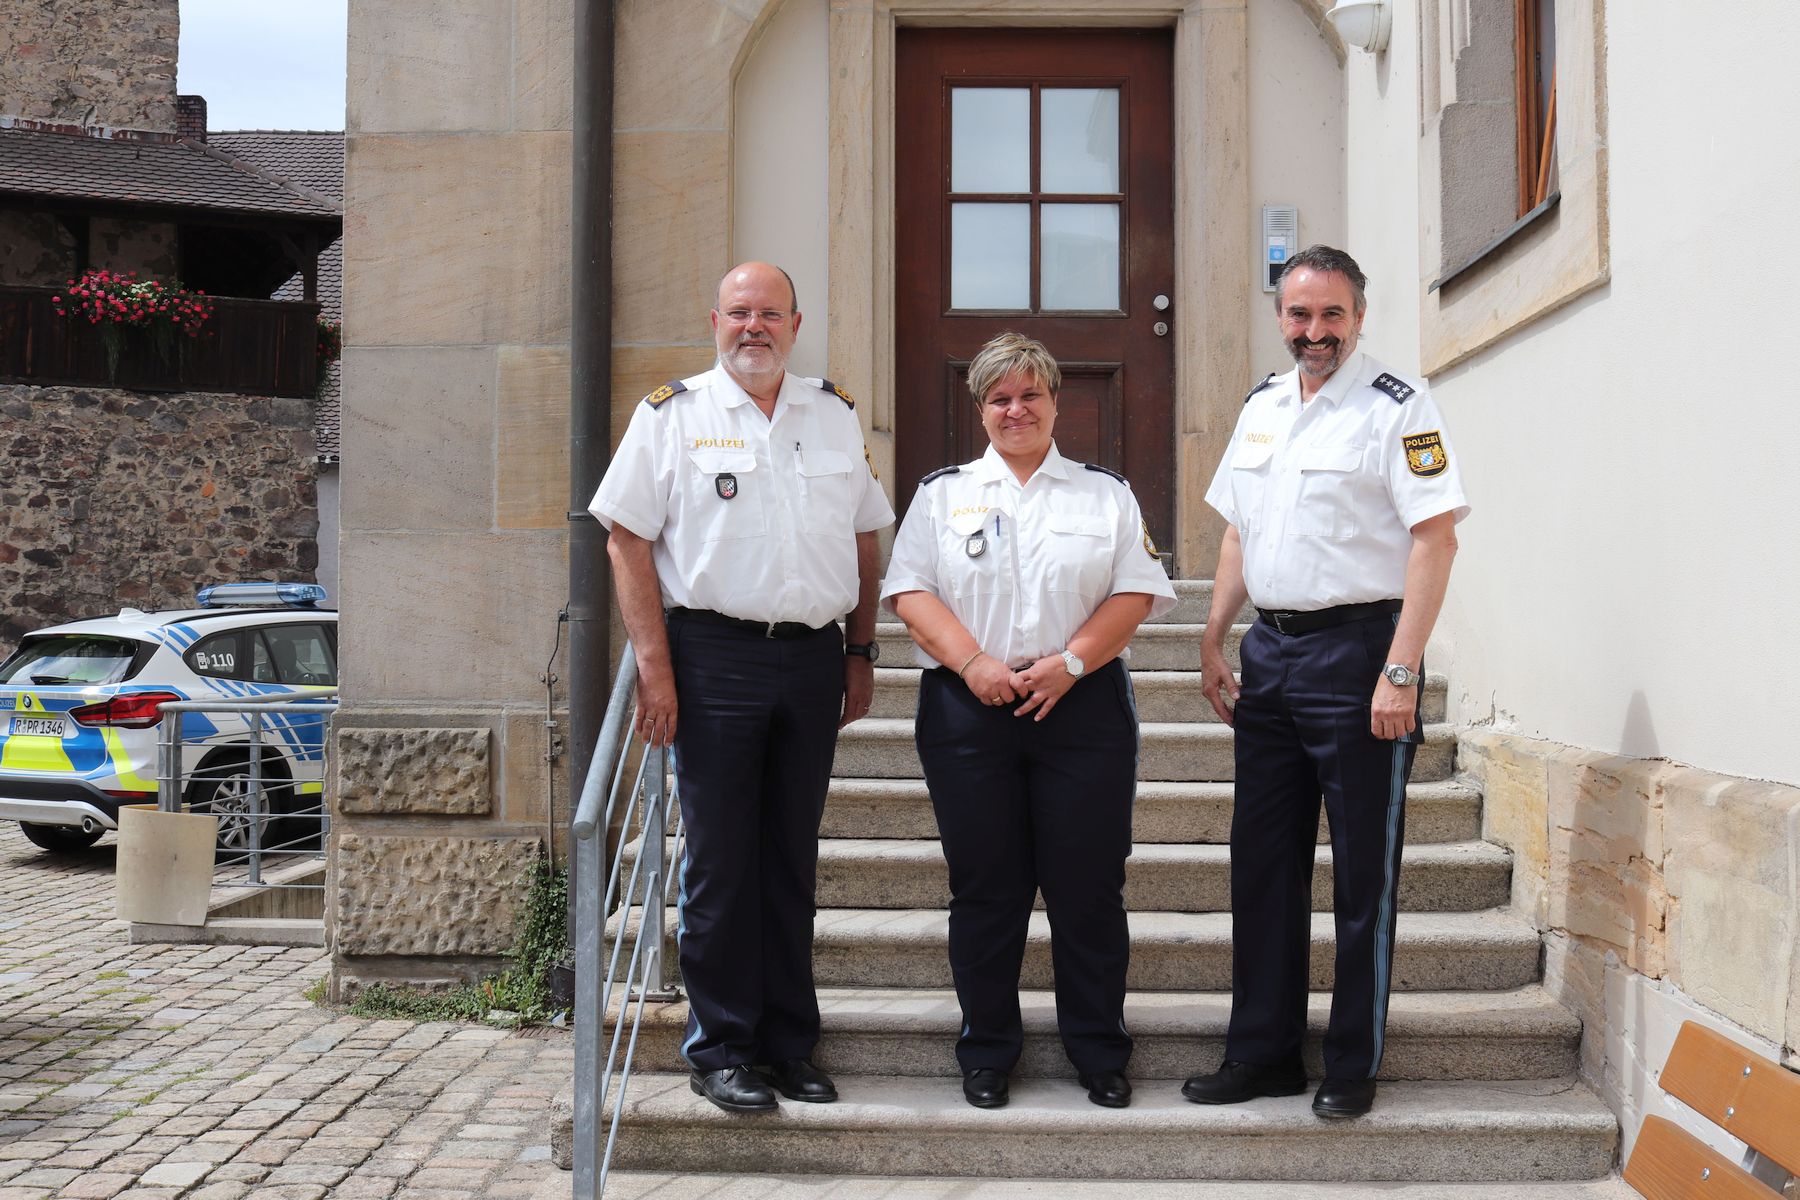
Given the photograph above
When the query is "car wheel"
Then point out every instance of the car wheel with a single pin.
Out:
(59, 839)
(225, 790)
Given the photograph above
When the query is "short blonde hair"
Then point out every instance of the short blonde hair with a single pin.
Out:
(1011, 352)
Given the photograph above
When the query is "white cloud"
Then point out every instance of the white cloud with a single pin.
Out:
(265, 64)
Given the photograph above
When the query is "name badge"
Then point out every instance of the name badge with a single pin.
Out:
(725, 485)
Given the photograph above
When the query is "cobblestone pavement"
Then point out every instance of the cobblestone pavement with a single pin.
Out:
(202, 1072)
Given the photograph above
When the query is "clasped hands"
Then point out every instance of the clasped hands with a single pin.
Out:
(1041, 684)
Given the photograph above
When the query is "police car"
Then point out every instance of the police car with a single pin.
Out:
(80, 726)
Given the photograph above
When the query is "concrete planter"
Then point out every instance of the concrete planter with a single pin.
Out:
(165, 865)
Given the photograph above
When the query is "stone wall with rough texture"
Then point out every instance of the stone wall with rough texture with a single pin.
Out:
(35, 250)
(1663, 893)
(148, 249)
(442, 771)
(113, 498)
(427, 895)
(92, 62)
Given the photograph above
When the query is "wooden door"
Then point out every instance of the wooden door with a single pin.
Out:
(1035, 193)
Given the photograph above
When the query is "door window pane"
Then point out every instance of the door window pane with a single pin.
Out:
(990, 255)
(990, 140)
(1079, 133)
(301, 655)
(1080, 256)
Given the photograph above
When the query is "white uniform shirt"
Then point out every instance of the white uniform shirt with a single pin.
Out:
(751, 516)
(1049, 552)
(1324, 495)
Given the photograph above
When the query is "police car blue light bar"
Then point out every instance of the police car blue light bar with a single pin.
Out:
(289, 595)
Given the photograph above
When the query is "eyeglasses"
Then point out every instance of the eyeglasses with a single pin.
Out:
(768, 316)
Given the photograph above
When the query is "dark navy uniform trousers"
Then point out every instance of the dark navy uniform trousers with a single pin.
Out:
(1302, 726)
(1025, 806)
(754, 739)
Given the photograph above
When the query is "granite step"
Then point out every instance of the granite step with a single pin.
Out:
(1522, 1034)
(1442, 1131)
(1176, 952)
(911, 873)
(1161, 695)
(883, 748)
(1442, 811)
(1157, 646)
(665, 1185)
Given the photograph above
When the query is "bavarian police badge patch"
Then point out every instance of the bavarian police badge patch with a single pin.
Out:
(725, 485)
(1425, 454)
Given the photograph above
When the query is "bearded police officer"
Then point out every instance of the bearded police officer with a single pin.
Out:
(744, 517)
(1342, 493)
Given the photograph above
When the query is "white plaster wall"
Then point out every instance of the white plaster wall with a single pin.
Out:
(1297, 131)
(1629, 577)
(779, 158)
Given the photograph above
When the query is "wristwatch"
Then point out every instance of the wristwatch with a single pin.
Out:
(868, 650)
(1400, 675)
(1071, 660)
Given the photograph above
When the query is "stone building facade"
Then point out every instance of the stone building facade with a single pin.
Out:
(96, 63)
(119, 498)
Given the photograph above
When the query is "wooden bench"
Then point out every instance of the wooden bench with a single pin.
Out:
(1752, 1099)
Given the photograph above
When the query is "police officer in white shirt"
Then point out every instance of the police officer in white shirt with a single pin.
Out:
(1343, 495)
(744, 517)
(1022, 576)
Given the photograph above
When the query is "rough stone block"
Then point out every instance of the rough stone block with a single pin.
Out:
(414, 771)
(431, 409)
(436, 251)
(428, 896)
(1606, 855)
(1514, 812)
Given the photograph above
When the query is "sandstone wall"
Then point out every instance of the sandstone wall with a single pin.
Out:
(92, 62)
(1664, 893)
(113, 498)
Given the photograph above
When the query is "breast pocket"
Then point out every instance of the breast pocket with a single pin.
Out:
(973, 557)
(1081, 554)
(1250, 481)
(825, 493)
(1327, 501)
(726, 499)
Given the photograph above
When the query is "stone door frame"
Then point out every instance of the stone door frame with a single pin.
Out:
(1214, 270)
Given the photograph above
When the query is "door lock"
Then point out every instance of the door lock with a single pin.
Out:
(1160, 329)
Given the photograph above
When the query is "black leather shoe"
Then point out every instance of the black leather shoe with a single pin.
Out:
(1338, 1098)
(1108, 1089)
(1236, 1082)
(798, 1079)
(986, 1087)
(734, 1089)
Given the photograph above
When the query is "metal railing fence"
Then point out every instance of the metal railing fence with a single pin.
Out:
(646, 795)
(251, 776)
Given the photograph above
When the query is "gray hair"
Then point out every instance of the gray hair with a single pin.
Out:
(1007, 353)
(1320, 257)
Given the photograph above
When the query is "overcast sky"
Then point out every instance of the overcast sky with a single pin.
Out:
(265, 64)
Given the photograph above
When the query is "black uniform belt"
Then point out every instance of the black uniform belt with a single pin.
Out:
(773, 629)
(1285, 621)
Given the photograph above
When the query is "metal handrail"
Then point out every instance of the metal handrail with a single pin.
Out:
(172, 737)
(646, 807)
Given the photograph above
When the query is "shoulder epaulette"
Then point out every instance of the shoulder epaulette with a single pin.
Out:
(1107, 471)
(1267, 380)
(661, 395)
(1399, 389)
(938, 474)
(828, 386)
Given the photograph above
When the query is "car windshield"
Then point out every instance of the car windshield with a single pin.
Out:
(69, 658)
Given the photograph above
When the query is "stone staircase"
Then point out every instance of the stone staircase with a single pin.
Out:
(1480, 1064)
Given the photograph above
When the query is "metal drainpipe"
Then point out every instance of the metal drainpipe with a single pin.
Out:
(590, 358)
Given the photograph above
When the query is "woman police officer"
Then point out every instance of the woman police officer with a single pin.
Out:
(1022, 576)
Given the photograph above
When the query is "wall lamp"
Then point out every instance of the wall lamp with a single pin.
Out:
(1365, 24)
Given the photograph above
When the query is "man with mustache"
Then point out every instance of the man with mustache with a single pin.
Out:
(1342, 497)
(743, 516)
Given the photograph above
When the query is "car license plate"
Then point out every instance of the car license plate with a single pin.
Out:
(38, 726)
